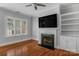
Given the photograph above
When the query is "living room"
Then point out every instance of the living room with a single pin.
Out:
(50, 29)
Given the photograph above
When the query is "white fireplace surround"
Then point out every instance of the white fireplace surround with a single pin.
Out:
(46, 31)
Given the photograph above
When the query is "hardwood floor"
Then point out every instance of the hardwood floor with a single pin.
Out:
(31, 48)
(37, 50)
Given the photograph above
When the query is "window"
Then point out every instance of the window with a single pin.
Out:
(16, 26)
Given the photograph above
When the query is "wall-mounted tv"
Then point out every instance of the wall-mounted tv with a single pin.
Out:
(49, 21)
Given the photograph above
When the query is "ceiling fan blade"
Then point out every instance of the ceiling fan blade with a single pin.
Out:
(41, 5)
(28, 5)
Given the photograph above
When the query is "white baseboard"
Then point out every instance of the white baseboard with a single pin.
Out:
(8, 43)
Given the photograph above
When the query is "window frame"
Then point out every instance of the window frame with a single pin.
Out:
(14, 19)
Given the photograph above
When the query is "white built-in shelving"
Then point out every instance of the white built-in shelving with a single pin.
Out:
(70, 30)
(70, 13)
(71, 24)
(70, 27)
(70, 19)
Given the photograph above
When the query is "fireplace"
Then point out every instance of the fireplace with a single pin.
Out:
(47, 40)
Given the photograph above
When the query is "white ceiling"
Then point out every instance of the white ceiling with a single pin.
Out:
(27, 10)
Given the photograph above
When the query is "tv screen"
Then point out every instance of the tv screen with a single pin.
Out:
(48, 21)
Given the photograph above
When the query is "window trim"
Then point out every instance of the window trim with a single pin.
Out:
(14, 19)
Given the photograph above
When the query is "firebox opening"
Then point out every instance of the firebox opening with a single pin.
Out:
(47, 40)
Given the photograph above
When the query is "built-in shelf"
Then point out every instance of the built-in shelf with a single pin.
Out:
(70, 19)
(70, 29)
(71, 24)
(76, 12)
(70, 35)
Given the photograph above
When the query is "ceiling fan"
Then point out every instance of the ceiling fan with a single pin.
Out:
(35, 5)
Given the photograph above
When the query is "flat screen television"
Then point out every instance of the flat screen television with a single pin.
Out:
(49, 21)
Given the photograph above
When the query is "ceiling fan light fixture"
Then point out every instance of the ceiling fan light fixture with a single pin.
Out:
(36, 5)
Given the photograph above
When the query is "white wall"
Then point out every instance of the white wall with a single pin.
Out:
(37, 31)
